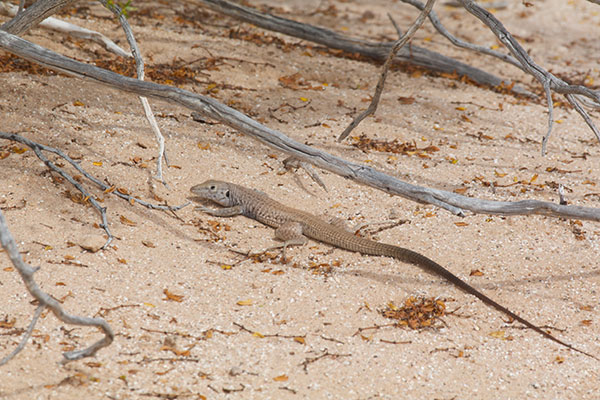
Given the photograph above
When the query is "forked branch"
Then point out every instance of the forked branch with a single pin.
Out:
(45, 300)
(39, 148)
(549, 81)
(386, 67)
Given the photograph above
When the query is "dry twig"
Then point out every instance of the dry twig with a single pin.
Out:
(573, 93)
(386, 67)
(139, 65)
(38, 148)
(47, 301)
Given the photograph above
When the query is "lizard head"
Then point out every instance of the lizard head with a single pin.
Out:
(217, 191)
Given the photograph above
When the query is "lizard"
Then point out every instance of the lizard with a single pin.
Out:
(295, 227)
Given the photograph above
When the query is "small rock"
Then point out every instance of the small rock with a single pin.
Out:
(91, 243)
(75, 154)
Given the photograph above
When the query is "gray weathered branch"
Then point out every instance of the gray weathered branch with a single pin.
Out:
(549, 81)
(211, 108)
(398, 44)
(437, 24)
(378, 51)
(34, 14)
(45, 300)
(70, 29)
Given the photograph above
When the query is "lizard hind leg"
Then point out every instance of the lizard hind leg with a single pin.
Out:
(290, 233)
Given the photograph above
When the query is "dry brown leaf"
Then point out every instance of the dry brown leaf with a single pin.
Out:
(172, 297)
(281, 378)
(8, 324)
(406, 100)
(126, 221)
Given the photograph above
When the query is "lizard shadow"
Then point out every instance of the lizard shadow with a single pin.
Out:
(410, 283)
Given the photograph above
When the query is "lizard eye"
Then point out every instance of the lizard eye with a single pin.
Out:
(212, 187)
(227, 193)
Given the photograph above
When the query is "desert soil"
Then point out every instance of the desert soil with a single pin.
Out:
(194, 319)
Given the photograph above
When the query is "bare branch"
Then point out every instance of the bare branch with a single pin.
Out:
(37, 148)
(435, 21)
(70, 29)
(364, 174)
(386, 67)
(33, 15)
(26, 336)
(21, 6)
(139, 64)
(45, 300)
(292, 162)
(548, 80)
(378, 51)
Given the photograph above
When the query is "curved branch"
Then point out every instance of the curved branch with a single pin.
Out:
(548, 80)
(437, 24)
(33, 15)
(70, 29)
(26, 336)
(45, 300)
(211, 108)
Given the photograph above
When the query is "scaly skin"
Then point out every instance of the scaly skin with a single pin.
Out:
(294, 226)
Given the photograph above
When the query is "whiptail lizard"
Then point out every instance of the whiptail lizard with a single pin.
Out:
(295, 226)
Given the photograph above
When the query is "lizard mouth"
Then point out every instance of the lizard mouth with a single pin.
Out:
(200, 200)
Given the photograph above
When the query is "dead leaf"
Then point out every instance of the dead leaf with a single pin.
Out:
(8, 324)
(172, 297)
(406, 100)
(281, 378)
(126, 221)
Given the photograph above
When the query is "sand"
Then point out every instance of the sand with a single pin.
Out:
(262, 329)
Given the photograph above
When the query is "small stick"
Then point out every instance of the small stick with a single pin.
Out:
(45, 300)
(25, 338)
(386, 67)
(139, 64)
(38, 147)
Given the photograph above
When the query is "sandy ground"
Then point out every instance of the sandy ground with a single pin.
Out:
(243, 329)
